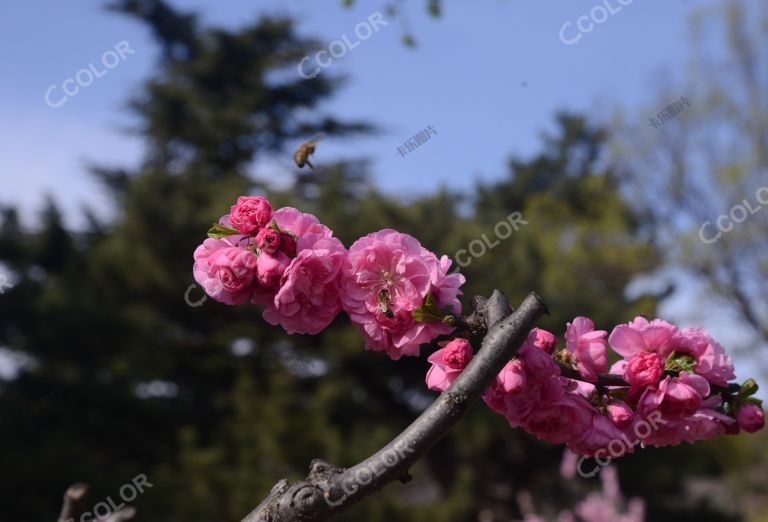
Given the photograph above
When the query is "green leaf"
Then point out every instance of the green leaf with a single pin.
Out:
(749, 387)
(428, 312)
(682, 362)
(218, 231)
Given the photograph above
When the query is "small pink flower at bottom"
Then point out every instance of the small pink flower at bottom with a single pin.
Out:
(226, 272)
(750, 418)
(448, 363)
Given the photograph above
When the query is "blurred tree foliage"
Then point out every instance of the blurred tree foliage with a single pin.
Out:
(120, 376)
(709, 158)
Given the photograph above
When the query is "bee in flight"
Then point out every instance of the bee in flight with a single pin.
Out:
(305, 150)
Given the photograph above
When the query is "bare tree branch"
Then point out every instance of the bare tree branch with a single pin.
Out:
(73, 507)
(329, 489)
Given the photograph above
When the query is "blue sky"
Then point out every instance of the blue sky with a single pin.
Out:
(488, 76)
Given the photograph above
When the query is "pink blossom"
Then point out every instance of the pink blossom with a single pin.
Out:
(706, 423)
(588, 345)
(386, 277)
(299, 223)
(308, 299)
(447, 363)
(578, 387)
(561, 421)
(517, 405)
(226, 272)
(510, 382)
(292, 223)
(599, 435)
(270, 271)
(538, 363)
(250, 213)
(268, 240)
(543, 340)
(675, 398)
(536, 396)
(512, 377)
(750, 417)
(643, 370)
(711, 361)
(642, 335)
(620, 413)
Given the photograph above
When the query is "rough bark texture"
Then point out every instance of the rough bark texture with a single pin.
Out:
(329, 489)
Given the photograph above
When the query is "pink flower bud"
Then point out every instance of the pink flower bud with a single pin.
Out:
(543, 340)
(271, 268)
(643, 370)
(512, 376)
(268, 240)
(588, 347)
(620, 413)
(250, 213)
(750, 417)
(447, 364)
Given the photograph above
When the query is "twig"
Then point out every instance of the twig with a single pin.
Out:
(73, 507)
(329, 489)
(612, 379)
(73, 500)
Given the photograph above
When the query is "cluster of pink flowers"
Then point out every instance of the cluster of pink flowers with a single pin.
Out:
(392, 288)
(668, 397)
(663, 390)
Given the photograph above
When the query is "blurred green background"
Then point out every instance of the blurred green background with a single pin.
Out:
(117, 375)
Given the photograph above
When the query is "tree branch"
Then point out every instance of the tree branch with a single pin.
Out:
(72, 508)
(329, 489)
(612, 379)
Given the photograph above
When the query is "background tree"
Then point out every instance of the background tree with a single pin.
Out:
(709, 158)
